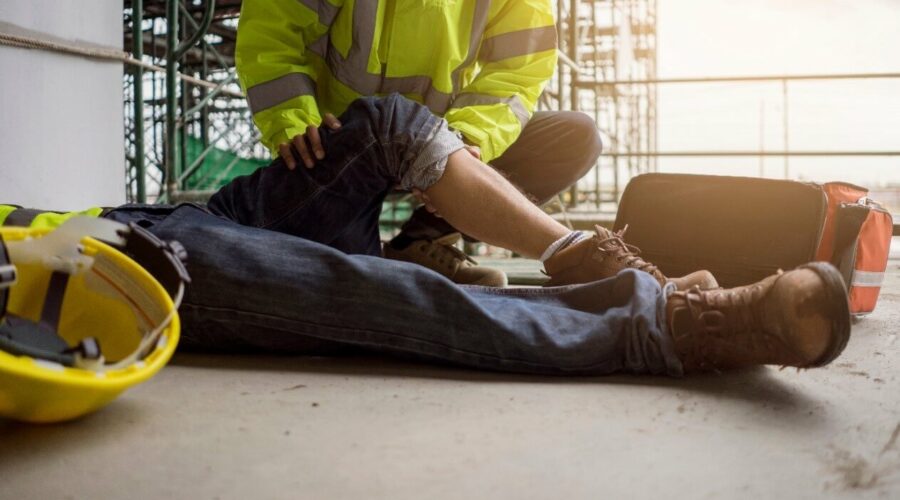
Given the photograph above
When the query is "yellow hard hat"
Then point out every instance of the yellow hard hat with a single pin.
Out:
(80, 319)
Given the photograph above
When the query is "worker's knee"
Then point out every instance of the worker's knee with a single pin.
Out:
(412, 141)
(583, 140)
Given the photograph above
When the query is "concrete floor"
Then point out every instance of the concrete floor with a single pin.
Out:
(282, 427)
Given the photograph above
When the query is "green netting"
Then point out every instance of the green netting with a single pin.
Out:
(393, 214)
(212, 175)
(212, 172)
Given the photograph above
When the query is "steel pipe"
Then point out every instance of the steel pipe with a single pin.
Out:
(137, 35)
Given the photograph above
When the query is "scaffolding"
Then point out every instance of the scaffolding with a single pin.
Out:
(189, 129)
(604, 41)
(194, 137)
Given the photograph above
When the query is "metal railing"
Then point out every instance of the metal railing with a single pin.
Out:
(783, 79)
(615, 152)
(177, 171)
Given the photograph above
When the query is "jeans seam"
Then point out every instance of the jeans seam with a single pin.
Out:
(524, 291)
(302, 203)
(501, 359)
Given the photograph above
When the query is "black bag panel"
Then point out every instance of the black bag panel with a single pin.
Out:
(741, 229)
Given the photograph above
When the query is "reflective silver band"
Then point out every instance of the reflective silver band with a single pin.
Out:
(514, 102)
(353, 72)
(324, 9)
(479, 22)
(436, 100)
(326, 13)
(274, 92)
(867, 279)
(22, 217)
(518, 43)
(320, 46)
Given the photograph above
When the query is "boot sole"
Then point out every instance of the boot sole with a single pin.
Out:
(838, 306)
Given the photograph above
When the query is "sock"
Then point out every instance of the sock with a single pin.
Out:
(565, 241)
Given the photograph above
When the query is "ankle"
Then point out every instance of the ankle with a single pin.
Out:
(563, 243)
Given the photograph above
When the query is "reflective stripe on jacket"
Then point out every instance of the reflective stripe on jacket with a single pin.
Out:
(11, 215)
(481, 64)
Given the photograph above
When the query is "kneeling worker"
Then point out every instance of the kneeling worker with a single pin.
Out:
(480, 64)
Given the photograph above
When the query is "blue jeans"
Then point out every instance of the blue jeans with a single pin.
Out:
(285, 261)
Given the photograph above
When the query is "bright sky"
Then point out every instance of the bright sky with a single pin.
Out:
(766, 37)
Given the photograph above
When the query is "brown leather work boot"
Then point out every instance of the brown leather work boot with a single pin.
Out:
(604, 255)
(442, 256)
(800, 318)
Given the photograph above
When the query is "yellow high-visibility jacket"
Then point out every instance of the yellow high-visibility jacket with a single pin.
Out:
(481, 64)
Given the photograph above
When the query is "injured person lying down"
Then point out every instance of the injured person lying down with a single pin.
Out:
(290, 261)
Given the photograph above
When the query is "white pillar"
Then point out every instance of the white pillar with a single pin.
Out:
(61, 116)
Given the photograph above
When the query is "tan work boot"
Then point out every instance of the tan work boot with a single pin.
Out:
(800, 318)
(604, 255)
(440, 255)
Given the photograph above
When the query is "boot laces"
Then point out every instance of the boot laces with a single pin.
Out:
(626, 253)
(718, 312)
(726, 319)
(443, 250)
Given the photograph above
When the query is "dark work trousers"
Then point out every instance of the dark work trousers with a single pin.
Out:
(555, 149)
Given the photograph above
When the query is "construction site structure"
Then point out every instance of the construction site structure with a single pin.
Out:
(188, 129)
(604, 41)
(186, 135)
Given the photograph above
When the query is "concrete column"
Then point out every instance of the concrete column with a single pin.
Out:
(61, 116)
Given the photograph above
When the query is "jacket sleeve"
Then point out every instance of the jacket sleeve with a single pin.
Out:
(517, 58)
(275, 67)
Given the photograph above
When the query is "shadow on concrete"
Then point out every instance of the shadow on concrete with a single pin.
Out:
(124, 421)
(753, 386)
(22, 442)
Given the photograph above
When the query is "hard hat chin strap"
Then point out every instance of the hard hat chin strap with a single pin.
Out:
(61, 252)
(38, 339)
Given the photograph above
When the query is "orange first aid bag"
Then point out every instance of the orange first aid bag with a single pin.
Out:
(744, 229)
(857, 240)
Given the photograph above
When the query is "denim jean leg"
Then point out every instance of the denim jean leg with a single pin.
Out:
(363, 235)
(377, 147)
(255, 289)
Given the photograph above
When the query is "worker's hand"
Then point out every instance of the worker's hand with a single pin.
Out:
(308, 145)
(474, 151)
(331, 122)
